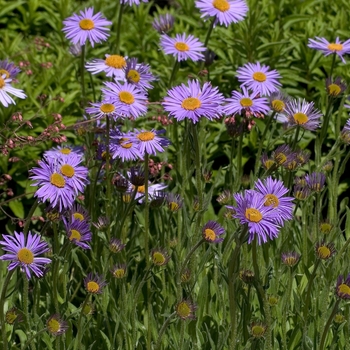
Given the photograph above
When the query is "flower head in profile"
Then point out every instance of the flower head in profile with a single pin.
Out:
(163, 23)
(315, 181)
(183, 47)
(138, 74)
(212, 232)
(290, 258)
(327, 48)
(6, 88)
(259, 78)
(102, 109)
(335, 86)
(78, 212)
(258, 329)
(94, 283)
(112, 65)
(278, 101)
(343, 287)
(150, 141)
(225, 11)
(124, 146)
(13, 316)
(194, 102)
(86, 27)
(115, 245)
(174, 202)
(78, 232)
(185, 309)
(345, 133)
(119, 271)
(9, 69)
(132, 2)
(159, 257)
(56, 325)
(23, 252)
(64, 151)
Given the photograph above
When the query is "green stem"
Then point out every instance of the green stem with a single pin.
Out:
(333, 65)
(239, 172)
(188, 257)
(173, 73)
(82, 73)
(108, 179)
(30, 340)
(77, 344)
(285, 307)
(162, 330)
(294, 145)
(55, 268)
(182, 335)
(326, 328)
(210, 29)
(119, 23)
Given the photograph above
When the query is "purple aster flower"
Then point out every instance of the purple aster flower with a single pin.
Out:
(274, 194)
(150, 141)
(86, 26)
(113, 66)
(124, 146)
(182, 47)
(335, 86)
(132, 2)
(56, 325)
(52, 185)
(78, 212)
(153, 189)
(102, 109)
(9, 69)
(212, 232)
(278, 101)
(261, 219)
(290, 258)
(194, 102)
(225, 11)
(345, 133)
(328, 48)
(343, 287)
(23, 252)
(164, 23)
(78, 232)
(64, 151)
(302, 113)
(138, 74)
(315, 181)
(94, 283)
(128, 99)
(259, 78)
(250, 103)
(6, 89)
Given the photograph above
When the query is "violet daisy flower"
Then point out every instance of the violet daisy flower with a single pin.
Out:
(94, 283)
(274, 193)
(23, 252)
(248, 102)
(9, 69)
(258, 78)
(150, 141)
(345, 133)
(102, 109)
(128, 99)
(52, 185)
(56, 325)
(6, 88)
(153, 190)
(164, 23)
(212, 232)
(113, 66)
(194, 102)
(138, 74)
(315, 181)
(124, 146)
(132, 2)
(78, 212)
(343, 287)
(86, 27)
(261, 219)
(183, 47)
(78, 232)
(328, 48)
(225, 11)
(302, 113)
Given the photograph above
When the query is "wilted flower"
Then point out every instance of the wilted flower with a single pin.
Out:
(325, 227)
(13, 315)
(56, 325)
(94, 283)
(258, 329)
(116, 245)
(159, 257)
(247, 276)
(185, 309)
(343, 287)
(325, 251)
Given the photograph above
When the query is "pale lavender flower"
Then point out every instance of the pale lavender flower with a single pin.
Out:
(138, 74)
(327, 48)
(78, 232)
(101, 109)
(150, 141)
(113, 66)
(6, 88)
(132, 2)
(9, 69)
(164, 23)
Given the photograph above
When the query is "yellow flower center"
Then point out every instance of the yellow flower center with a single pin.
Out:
(126, 198)
(253, 215)
(258, 331)
(74, 234)
(126, 97)
(325, 227)
(246, 102)
(324, 252)
(133, 75)
(57, 180)
(86, 24)
(158, 258)
(335, 47)
(119, 273)
(78, 216)
(344, 289)
(290, 261)
(146, 136)
(334, 89)
(107, 108)
(65, 151)
(191, 103)
(140, 189)
(4, 71)
(209, 235)
(221, 5)
(278, 105)
(300, 118)
(2, 82)
(25, 256)
(173, 206)
(115, 61)
(124, 144)
(281, 158)
(92, 287)
(53, 325)
(269, 163)
(67, 170)
(271, 200)
(259, 76)
(183, 309)
(181, 46)
(11, 316)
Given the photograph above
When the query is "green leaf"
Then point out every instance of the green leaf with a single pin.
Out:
(17, 208)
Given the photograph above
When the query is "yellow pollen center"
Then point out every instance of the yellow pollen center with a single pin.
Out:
(107, 108)
(158, 258)
(335, 47)
(115, 61)
(66, 151)
(53, 325)
(133, 75)
(246, 102)
(300, 118)
(183, 310)
(11, 317)
(126, 97)
(78, 216)
(258, 331)
(67, 170)
(269, 163)
(209, 235)
(290, 261)
(25, 256)
(181, 46)
(124, 144)
(191, 103)
(278, 105)
(344, 289)
(75, 235)
(334, 89)
(57, 180)
(2, 82)
(259, 76)
(4, 71)
(271, 200)
(253, 215)
(324, 252)
(119, 273)
(92, 287)
(281, 158)
(86, 24)
(221, 5)
(146, 136)
(325, 227)
(140, 189)
(173, 206)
